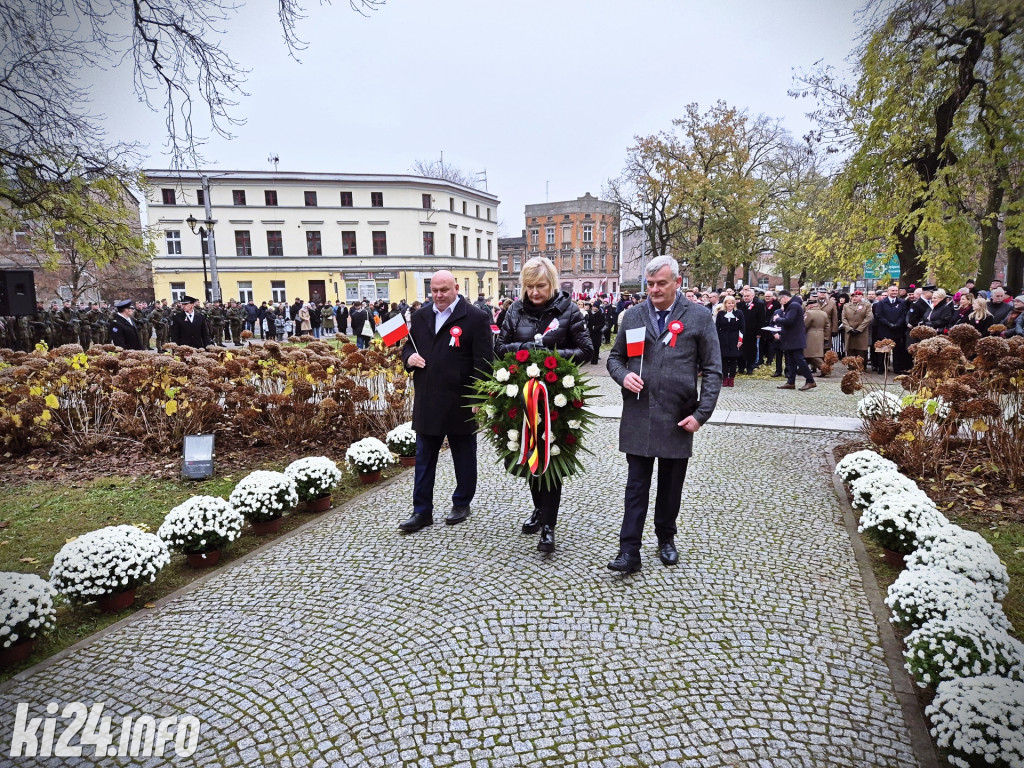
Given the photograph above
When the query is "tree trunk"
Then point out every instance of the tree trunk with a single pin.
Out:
(911, 268)
(1014, 271)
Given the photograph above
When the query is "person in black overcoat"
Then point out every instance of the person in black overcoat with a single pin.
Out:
(450, 346)
(550, 313)
(891, 316)
(753, 311)
(792, 340)
(189, 327)
(123, 331)
(732, 333)
(595, 325)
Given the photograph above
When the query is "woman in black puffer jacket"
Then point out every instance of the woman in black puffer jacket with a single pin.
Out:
(544, 311)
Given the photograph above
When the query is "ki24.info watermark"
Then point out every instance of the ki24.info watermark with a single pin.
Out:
(81, 728)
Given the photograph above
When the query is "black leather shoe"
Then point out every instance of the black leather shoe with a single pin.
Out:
(776, 375)
(625, 563)
(668, 554)
(533, 524)
(415, 523)
(457, 515)
(547, 539)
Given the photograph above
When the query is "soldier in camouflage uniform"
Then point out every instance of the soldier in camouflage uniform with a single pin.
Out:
(236, 320)
(215, 316)
(84, 328)
(161, 325)
(23, 329)
(143, 323)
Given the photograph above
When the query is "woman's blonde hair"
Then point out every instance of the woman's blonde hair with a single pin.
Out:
(534, 270)
(980, 308)
(938, 294)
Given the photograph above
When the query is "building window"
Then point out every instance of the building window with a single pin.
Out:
(377, 199)
(488, 250)
(504, 266)
(478, 246)
(686, 281)
(465, 246)
(488, 214)
(588, 262)
(534, 237)
(566, 235)
(270, 196)
(313, 246)
(168, 196)
(348, 243)
(243, 245)
(428, 243)
(245, 291)
(604, 233)
(427, 199)
(275, 243)
(463, 207)
(515, 263)
(238, 197)
(277, 291)
(451, 207)
(452, 246)
(346, 199)
(310, 199)
(177, 292)
(380, 243)
(588, 233)
(200, 197)
(549, 235)
(173, 242)
(478, 211)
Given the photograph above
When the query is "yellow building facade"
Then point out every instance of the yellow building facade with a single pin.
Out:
(319, 236)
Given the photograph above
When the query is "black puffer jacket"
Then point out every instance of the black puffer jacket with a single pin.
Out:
(525, 320)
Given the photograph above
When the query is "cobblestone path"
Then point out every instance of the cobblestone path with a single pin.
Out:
(350, 645)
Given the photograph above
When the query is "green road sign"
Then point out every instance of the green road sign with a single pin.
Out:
(876, 270)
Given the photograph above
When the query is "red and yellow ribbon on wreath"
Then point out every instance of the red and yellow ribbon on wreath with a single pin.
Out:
(535, 445)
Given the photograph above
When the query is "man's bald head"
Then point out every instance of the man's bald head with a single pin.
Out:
(443, 289)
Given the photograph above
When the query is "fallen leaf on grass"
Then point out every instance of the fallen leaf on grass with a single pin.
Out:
(5, 542)
(68, 541)
(29, 560)
(1017, 551)
(4, 523)
(149, 605)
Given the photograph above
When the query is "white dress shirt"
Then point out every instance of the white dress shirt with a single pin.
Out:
(440, 318)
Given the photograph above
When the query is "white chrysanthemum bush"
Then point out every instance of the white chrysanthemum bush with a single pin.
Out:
(107, 561)
(859, 463)
(262, 496)
(879, 404)
(402, 439)
(964, 552)
(26, 608)
(200, 525)
(368, 455)
(868, 489)
(962, 645)
(979, 721)
(313, 477)
(897, 520)
(925, 593)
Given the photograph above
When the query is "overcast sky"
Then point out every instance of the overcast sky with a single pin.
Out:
(543, 95)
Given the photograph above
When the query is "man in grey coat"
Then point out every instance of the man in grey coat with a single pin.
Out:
(662, 410)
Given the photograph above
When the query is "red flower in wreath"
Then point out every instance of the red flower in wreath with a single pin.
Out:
(550, 363)
(554, 415)
(570, 439)
(523, 355)
(513, 412)
(550, 377)
(577, 403)
(496, 429)
(513, 368)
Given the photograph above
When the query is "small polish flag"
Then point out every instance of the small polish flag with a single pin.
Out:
(635, 341)
(394, 330)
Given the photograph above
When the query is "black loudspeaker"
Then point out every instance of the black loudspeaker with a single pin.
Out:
(17, 292)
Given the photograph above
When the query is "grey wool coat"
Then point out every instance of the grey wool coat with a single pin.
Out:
(649, 425)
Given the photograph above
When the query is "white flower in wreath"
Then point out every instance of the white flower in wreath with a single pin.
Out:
(568, 382)
(513, 434)
(513, 445)
(491, 411)
(560, 401)
(501, 374)
(512, 390)
(532, 370)
(575, 423)
(555, 450)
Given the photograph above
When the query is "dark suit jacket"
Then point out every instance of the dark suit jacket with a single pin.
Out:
(791, 321)
(124, 334)
(442, 405)
(754, 320)
(194, 334)
(892, 319)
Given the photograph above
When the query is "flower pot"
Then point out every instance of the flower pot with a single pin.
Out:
(203, 559)
(319, 505)
(266, 526)
(407, 461)
(370, 477)
(17, 653)
(894, 558)
(116, 601)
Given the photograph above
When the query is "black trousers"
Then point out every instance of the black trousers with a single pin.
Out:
(796, 364)
(671, 476)
(595, 339)
(463, 448)
(546, 500)
(729, 366)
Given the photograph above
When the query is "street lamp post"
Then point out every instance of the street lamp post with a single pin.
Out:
(211, 245)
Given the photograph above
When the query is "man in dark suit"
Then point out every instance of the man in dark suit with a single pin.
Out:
(189, 327)
(659, 419)
(450, 346)
(123, 331)
(891, 317)
(752, 309)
